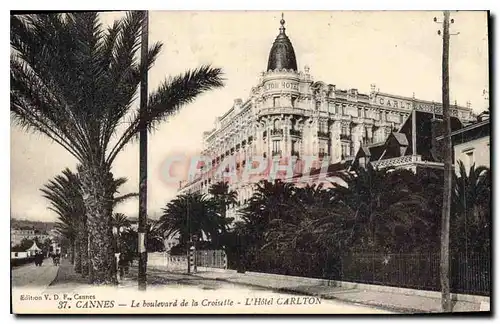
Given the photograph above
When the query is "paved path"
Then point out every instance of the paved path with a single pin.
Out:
(385, 300)
(163, 285)
(30, 275)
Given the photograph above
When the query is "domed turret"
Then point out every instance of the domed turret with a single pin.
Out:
(282, 55)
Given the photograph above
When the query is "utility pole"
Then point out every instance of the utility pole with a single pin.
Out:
(447, 156)
(143, 159)
(189, 232)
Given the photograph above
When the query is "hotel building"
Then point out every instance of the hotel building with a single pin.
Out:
(289, 114)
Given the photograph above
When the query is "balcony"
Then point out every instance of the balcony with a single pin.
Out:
(276, 132)
(276, 153)
(398, 161)
(294, 132)
(324, 134)
(345, 137)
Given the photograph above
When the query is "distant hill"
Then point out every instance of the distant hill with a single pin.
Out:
(38, 225)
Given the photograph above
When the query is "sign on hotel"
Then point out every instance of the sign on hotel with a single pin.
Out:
(281, 85)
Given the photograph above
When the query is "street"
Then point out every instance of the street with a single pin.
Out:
(164, 288)
(30, 275)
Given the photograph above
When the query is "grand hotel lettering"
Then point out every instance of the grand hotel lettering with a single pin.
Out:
(281, 85)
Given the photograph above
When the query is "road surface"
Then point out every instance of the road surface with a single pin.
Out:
(167, 292)
(30, 275)
(256, 298)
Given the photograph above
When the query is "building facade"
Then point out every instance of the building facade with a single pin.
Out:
(471, 145)
(289, 114)
(19, 234)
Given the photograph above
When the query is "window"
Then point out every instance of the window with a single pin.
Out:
(275, 102)
(360, 112)
(318, 104)
(293, 102)
(276, 146)
(470, 158)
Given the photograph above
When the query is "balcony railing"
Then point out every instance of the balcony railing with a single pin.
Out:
(345, 137)
(276, 132)
(401, 160)
(276, 153)
(323, 134)
(294, 132)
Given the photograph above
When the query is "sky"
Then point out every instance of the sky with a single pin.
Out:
(400, 52)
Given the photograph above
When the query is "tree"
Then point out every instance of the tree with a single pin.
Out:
(65, 197)
(75, 82)
(120, 220)
(377, 207)
(155, 241)
(471, 210)
(64, 193)
(192, 214)
(223, 196)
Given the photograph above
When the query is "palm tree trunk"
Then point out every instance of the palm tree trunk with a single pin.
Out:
(97, 204)
(78, 255)
(84, 250)
(445, 221)
(72, 252)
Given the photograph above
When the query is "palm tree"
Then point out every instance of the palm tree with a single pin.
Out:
(471, 209)
(192, 214)
(155, 241)
(120, 221)
(65, 196)
(269, 201)
(223, 196)
(377, 207)
(75, 82)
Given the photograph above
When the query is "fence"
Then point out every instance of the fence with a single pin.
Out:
(211, 259)
(470, 274)
(204, 258)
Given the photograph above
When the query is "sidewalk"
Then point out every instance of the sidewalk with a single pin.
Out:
(384, 300)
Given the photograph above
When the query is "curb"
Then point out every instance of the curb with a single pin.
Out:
(323, 296)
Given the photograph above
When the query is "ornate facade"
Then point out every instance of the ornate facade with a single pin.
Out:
(288, 114)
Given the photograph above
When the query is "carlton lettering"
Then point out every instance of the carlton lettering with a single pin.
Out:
(282, 85)
(393, 103)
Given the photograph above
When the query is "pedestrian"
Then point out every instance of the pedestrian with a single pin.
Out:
(122, 264)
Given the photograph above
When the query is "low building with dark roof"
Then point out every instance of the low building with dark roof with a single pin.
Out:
(413, 146)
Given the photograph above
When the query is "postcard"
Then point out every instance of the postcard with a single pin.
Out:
(250, 162)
